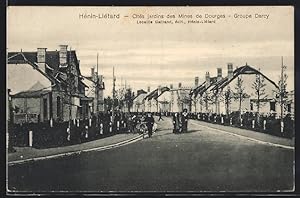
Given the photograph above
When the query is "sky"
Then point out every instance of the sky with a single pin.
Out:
(159, 54)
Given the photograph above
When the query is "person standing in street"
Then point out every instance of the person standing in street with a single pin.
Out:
(184, 120)
(160, 117)
(176, 122)
(149, 123)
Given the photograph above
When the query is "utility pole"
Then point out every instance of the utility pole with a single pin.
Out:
(97, 88)
(282, 90)
(70, 89)
(113, 103)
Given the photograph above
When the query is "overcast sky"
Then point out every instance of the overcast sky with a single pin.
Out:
(153, 54)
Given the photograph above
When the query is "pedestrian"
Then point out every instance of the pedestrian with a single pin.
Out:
(175, 123)
(184, 118)
(149, 123)
(160, 117)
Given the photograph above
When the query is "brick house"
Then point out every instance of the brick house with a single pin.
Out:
(47, 83)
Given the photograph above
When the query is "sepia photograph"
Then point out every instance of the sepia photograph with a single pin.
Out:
(112, 99)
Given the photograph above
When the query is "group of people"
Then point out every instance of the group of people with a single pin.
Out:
(180, 122)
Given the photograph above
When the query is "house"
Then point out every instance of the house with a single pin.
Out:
(201, 97)
(241, 82)
(151, 100)
(94, 91)
(47, 84)
(175, 99)
(138, 104)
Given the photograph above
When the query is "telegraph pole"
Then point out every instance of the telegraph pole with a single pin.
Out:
(70, 89)
(113, 103)
(97, 88)
(281, 96)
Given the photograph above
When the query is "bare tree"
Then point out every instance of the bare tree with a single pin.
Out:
(259, 87)
(227, 95)
(240, 94)
(206, 99)
(281, 93)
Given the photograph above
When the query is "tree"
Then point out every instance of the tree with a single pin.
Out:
(215, 99)
(281, 93)
(259, 87)
(240, 94)
(227, 95)
(128, 99)
(206, 99)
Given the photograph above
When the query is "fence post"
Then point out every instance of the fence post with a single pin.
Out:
(30, 138)
(101, 128)
(118, 125)
(253, 124)
(230, 122)
(265, 122)
(74, 121)
(215, 119)
(90, 122)
(281, 126)
(78, 123)
(110, 127)
(222, 120)
(86, 132)
(68, 134)
(241, 122)
(51, 122)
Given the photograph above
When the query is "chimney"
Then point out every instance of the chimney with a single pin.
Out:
(159, 90)
(41, 58)
(207, 79)
(230, 70)
(93, 73)
(171, 86)
(196, 81)
(63, 54)
(148, 89)
(219, 76)
(179, 85)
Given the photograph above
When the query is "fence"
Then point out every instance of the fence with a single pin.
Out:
(45, 136)
(265, 124)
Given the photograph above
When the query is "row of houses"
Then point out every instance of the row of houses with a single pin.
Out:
(48, 85)
(218, 94)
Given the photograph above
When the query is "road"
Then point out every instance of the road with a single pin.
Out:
(200, 160)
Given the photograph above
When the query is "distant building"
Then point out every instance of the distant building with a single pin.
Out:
(95, 86)
(175, 99)
(219, 94)
(138, 104)
(151, 101)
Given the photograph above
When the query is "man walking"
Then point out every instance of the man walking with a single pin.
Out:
(160, 117)
(149, 122)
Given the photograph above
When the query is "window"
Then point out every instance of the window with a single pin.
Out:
(272, 106)
(251, 106)
(58, 105)
(45, 108)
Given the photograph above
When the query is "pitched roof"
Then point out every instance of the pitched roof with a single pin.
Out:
(202, 88)
(37, 86)
(164, 89)
(241, 70)
(151, 94)
(31, 94)
(53, 70)
(139, 92)
(154, 94)
(52, 58)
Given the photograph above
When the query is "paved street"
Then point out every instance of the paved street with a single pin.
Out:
(200, 160)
